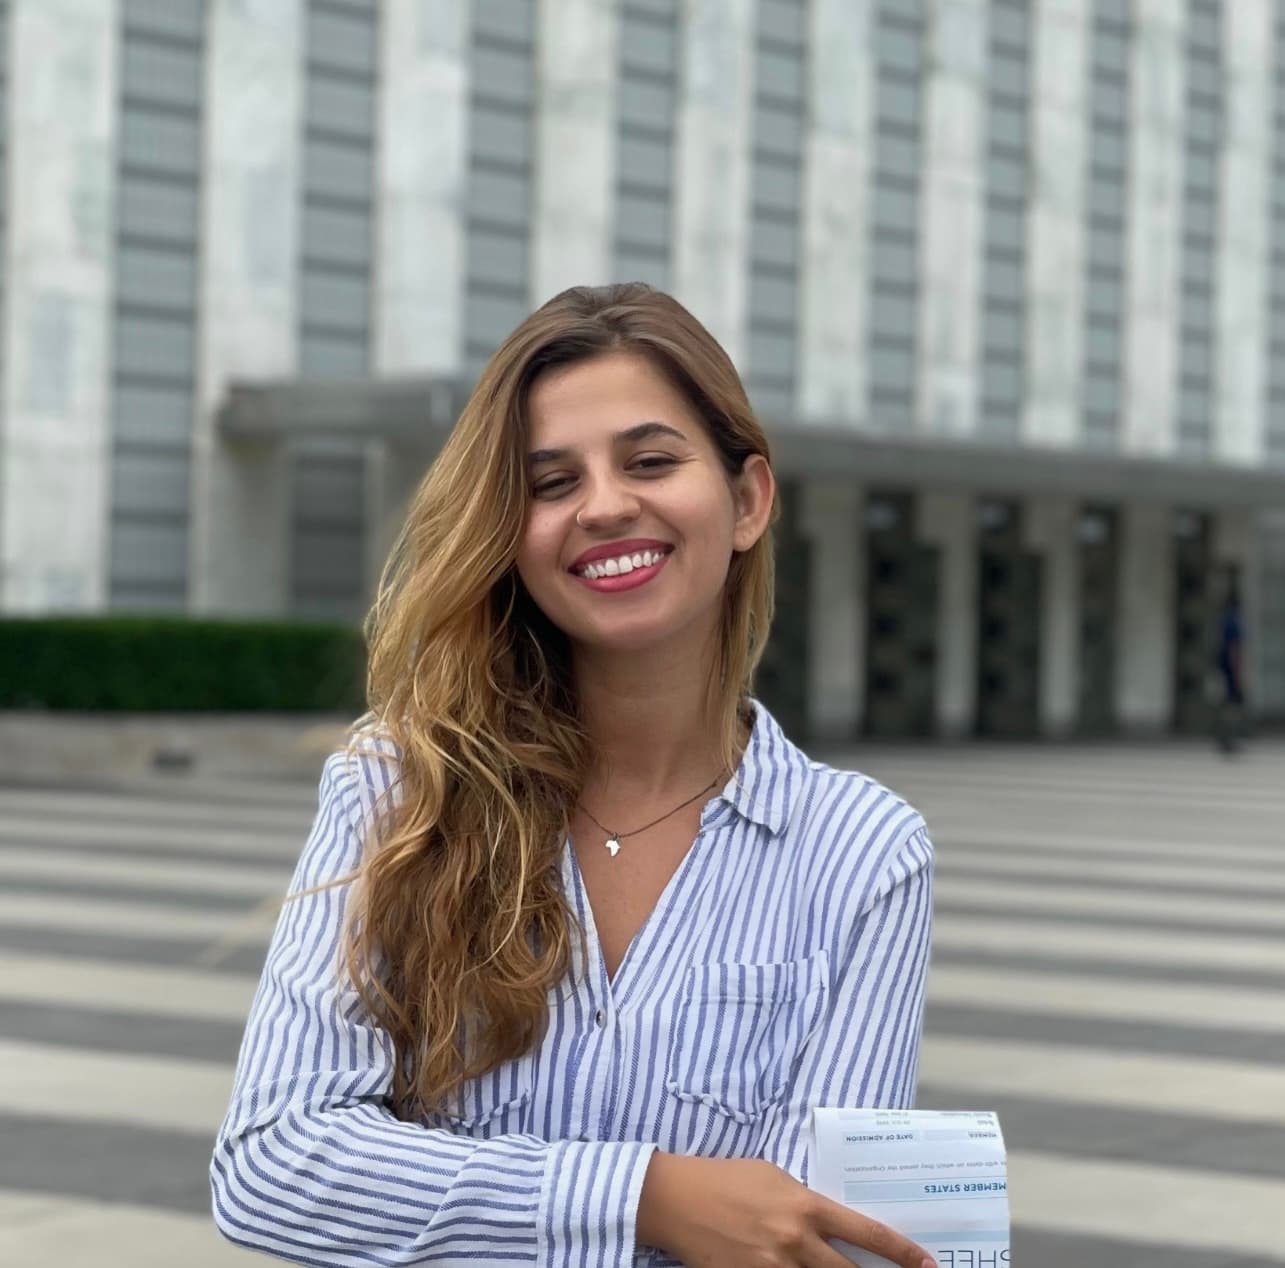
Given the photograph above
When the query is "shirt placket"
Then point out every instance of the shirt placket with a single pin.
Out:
(595, 1050)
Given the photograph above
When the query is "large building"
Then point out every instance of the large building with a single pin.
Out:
(1005, 278)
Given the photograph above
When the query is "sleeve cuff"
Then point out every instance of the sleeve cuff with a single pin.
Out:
(588, 1216)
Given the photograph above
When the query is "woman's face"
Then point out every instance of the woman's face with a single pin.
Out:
(633, 518)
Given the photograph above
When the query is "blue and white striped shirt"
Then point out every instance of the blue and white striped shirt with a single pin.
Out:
(783, 968)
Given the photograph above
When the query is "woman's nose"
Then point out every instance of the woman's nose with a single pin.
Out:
(606, 501)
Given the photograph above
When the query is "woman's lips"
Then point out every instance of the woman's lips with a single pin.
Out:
(626, 580)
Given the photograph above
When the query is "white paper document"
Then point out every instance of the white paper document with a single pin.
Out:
(940, 1177)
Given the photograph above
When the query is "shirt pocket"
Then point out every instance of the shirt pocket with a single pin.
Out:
(739, 1030)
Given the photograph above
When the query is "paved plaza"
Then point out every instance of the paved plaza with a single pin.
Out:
(1109, 974)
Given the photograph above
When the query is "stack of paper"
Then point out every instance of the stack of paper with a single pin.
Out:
(938, 1177)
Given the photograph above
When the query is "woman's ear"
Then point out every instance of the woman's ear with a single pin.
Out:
(753, 491)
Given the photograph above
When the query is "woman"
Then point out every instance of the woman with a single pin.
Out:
(580, 937)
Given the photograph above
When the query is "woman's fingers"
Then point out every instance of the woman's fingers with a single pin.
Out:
(836, 1220)
(820, 1254)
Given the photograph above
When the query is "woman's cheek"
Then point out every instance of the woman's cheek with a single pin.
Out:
(538, 552)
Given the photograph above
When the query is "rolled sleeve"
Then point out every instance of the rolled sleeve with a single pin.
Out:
(589, 1204)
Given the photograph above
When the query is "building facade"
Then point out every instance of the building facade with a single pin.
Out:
(1005, 280)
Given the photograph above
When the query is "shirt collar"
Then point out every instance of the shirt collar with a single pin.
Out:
(770, 775)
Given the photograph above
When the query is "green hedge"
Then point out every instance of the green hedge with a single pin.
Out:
(170, 664)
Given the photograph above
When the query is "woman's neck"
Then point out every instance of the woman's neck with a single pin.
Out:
(649, 723)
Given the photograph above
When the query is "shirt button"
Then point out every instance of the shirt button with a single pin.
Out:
(600, 1017)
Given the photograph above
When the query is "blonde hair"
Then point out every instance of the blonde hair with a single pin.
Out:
(458, 925)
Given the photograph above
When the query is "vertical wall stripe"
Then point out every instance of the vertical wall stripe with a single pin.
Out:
(1154, 226)
(421, 187)
(1203, 148)
(328, 563)
(776, 131)
(833, 294)
(1004, 260)
(421, 231)
(252, 143)
(1106, 213)
(711, 258)
(61, 163)
(647, 53)
(1274, 439)
(1055, 224)
(895, 215)
(1244, 205)
(575, 146)
(158, 193)
(500, 198)
(951, 257)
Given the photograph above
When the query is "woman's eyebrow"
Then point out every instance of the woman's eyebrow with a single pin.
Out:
(639, 431)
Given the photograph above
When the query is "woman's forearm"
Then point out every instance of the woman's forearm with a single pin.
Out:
(661, 1190)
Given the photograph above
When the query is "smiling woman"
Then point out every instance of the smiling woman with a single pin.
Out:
(579, 938)
(599, 475)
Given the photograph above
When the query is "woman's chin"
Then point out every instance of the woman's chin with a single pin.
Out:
(632, 643)
(626, 636)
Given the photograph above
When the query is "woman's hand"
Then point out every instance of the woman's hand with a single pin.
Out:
(717, 1212)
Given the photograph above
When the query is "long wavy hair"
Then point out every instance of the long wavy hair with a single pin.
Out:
(458, 926)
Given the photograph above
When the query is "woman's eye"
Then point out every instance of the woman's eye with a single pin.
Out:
(550, 486)
(652, 463)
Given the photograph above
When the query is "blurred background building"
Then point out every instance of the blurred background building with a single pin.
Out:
(1005, 279)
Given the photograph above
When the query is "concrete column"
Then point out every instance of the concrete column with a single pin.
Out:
(1055, 222)
(1244, 229)
(575, 146)
(712, 201)
(833, 522)
(418, 308)
(1233, 536)
(1049, 525)
(1236, 543)
(1265, 598)
(55, 444)
(953, 203)
(1145, 643)
(949, 521)
(249, 263)
(836, 198)
(1152, 307)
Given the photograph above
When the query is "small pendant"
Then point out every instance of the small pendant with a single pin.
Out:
(613, 845)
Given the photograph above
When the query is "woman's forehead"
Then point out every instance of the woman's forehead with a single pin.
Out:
(591, 401)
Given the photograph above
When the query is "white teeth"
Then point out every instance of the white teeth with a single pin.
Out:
(624, 564)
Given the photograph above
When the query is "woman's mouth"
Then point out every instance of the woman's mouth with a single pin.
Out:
(625, 572)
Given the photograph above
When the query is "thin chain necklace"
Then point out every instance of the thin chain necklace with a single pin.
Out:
(614, 838)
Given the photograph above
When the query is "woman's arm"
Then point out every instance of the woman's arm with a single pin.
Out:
(310, 1166)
